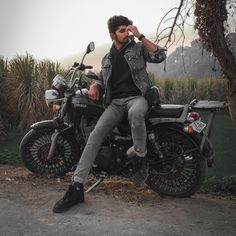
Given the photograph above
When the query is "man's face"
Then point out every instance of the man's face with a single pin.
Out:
(121, 35)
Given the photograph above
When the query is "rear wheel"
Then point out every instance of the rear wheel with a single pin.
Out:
(34, 149)
(182, 170)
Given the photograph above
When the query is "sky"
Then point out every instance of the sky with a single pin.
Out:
(54, 29)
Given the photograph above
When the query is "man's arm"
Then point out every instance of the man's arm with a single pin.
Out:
(149, 45)
(152, 52)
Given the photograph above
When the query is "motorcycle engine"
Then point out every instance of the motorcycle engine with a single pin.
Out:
(106, 159)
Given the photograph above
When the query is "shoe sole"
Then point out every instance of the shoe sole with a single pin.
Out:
(55, 210)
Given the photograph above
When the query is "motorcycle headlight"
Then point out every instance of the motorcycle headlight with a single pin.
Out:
(59, 83)
(51, 96)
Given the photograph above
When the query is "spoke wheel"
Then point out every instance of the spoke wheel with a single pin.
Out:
(34, 150)
(182, 170)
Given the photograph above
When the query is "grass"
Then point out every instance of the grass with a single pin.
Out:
(9, 147)
(225, 186)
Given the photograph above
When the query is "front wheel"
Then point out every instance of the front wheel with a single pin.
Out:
(34, 149)
(182, 170)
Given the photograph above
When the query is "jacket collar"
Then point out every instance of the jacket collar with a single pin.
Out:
(114, 50)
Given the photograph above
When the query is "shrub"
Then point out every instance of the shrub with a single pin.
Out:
(223, 186)
(182, 91)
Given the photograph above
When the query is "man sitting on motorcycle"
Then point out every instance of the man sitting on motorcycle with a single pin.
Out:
(123, 82)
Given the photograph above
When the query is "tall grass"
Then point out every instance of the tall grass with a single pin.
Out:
(3, 73)
(23, 81)
(182, 91)
(25, 86)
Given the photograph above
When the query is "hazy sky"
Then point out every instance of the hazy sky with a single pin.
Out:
(58, 28)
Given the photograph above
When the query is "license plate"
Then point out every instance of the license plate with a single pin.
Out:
(198, 126)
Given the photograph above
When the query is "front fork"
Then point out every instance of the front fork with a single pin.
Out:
(59, 127)
(52, 149)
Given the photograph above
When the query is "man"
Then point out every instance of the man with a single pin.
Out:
(124, 82)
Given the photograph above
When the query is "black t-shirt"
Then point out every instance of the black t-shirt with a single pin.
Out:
(121, 81)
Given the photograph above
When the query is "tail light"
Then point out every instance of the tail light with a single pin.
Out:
(194, 123)
(193, 116)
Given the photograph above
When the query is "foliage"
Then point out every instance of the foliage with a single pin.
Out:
(224, 186)
(26, 94)
(214, 21)
(9, 157)
(48, 69)
(213, 25)
(22, 90)
(182, 91)
(3, 72)
(207, 12)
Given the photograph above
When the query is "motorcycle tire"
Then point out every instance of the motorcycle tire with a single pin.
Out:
(34, 149)
(182, 170)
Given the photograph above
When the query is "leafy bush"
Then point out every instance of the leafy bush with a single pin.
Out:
(9, 157)
(182, 91)
(224, 186)
(22, 90)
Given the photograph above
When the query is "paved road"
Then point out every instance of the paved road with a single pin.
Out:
(104, 215)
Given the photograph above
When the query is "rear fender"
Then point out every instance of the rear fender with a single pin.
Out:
(207, 152)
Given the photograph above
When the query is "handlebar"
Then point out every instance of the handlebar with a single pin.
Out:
(81, 66)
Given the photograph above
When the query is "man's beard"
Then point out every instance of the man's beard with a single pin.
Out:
(124, 41)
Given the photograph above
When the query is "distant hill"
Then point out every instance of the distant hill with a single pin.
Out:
(192, 61)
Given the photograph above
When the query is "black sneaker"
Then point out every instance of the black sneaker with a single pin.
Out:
(73, 196)
(140, 172)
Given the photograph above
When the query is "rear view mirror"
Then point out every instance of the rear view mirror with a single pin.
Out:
(90, 47)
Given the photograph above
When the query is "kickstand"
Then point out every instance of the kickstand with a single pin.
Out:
(100, 179)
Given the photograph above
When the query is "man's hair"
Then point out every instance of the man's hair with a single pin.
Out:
(115, 21)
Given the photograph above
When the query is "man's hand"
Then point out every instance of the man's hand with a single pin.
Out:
(134, 30)
(93, 92)
(151, 47)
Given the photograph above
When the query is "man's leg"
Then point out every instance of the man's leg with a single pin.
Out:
(75, 194)
(137, 109)
(109, 119)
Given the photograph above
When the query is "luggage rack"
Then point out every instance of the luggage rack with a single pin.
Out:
(212, 107)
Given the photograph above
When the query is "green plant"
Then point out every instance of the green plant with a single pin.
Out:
(9, 157)
(223, 186)
(27, 100)
(182, 91)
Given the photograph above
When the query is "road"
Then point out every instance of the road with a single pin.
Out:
(114, 208)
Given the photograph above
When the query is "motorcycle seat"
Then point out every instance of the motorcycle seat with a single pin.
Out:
(166, 111)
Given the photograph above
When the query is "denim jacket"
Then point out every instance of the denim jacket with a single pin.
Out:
(136, 56)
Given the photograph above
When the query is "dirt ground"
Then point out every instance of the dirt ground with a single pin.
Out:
(115, 207)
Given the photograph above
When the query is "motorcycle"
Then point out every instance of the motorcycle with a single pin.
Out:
(179, 149)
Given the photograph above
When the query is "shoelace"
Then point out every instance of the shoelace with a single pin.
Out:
(68, 192)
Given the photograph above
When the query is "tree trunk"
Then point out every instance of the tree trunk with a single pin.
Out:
(228, 64)
(211, 17)
(232, 101)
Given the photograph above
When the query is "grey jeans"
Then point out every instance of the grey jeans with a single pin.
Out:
(136, 107)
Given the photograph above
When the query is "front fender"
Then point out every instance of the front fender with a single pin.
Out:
(43, 124)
